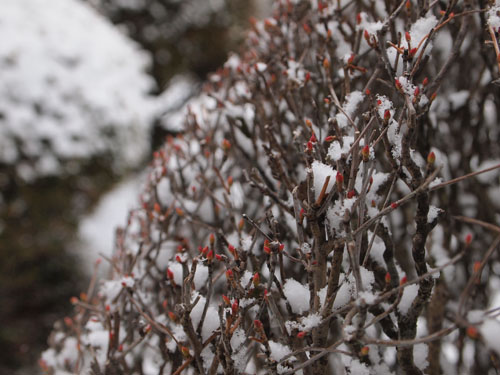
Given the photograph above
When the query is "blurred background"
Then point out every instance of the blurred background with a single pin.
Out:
(88, 89)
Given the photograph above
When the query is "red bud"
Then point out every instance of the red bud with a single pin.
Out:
(472, 332)
(387, 116)
(326, 63)
(365, 153)
(185, 351)
(340, 180)
(170, 274)
(366, 35)
(477, 266)
(431, 158)
(234, 307)
(309, 146)
(256, 279)
(226, 145)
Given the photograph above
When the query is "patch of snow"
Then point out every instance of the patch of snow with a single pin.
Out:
(350, 105)
(433, 213)
(490, 331)
(320, 172)
(297, 295)
(409, 294)
(96, 231)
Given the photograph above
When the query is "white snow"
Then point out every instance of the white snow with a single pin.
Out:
(305, 324)
(72, 87)
(421, 28)
(350, 105)
(278, 350)
(433, 213)
(417, 32)
(335, 214)
(420, 352)
(261, 67)
(211, 322)
(493, 17)
(367, 278)
(488, 177)
(320, 172)
(458, 99)
(370, 27)
(407, 86)
(96, 231)
(172, 99)
(201, 276)
(490, 331)
(335, 151)
(344, 293)
(409, 294)
(297, 295)
(377, 250)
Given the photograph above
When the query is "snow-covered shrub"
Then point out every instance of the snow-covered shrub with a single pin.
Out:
(318, 214)
(73, 88)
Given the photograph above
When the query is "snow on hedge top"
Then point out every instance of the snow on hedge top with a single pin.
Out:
(72, 87)
(493, 16)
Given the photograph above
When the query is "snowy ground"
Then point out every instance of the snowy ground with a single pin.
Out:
(96, 231)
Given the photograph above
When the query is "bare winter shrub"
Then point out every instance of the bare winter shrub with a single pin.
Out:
(314, 217)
